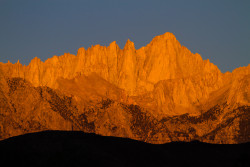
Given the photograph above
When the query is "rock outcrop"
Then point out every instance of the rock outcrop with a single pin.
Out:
(161, 92)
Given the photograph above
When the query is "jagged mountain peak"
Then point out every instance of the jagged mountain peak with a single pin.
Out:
(159, 93)
(166, 36)
(129, 45)
(137, 72)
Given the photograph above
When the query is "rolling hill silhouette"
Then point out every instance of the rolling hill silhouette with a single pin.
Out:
(75, 148)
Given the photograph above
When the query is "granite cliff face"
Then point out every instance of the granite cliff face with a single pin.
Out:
(161, 92)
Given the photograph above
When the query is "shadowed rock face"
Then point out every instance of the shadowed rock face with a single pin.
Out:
(157, 94)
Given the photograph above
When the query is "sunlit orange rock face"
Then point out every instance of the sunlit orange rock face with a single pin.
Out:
(159, 93)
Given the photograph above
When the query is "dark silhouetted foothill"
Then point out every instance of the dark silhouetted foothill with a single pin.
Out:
(71, 148)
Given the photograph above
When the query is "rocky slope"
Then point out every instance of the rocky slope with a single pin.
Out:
(159, 93)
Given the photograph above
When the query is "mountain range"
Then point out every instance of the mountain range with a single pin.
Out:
(157, 94)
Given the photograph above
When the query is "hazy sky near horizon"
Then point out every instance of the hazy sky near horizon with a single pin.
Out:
(218, 30)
